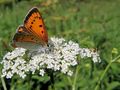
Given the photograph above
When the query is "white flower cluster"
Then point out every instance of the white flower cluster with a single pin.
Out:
(85, 52)
(59, 56)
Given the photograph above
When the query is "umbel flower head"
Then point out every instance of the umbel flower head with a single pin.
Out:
(59, 56)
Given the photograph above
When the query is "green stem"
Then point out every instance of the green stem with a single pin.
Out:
(3, 83)
(52, 81)
(75, 79)
(69, 80)
(106, 69)
(52, 78)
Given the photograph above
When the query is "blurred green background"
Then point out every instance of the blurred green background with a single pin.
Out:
(91, 23)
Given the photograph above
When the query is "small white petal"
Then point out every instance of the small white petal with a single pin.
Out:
(42, 72)
(70, 73)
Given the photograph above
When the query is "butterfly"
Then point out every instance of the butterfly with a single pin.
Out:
(32, 33)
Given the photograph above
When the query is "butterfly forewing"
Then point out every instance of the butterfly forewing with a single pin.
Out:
(35, 25)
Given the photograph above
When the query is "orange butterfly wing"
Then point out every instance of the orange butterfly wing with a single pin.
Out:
(23, 36)
(33, 30)
(35, 25)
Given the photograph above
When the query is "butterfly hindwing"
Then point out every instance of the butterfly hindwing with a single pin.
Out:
(35, 25)
(22, 35)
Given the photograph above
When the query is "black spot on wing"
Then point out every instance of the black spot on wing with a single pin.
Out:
(34, 20)
(42, 32)
(31, 22)
(30, 27)
(32, 38)
(39, 17)
(33, 10)
(40, 25)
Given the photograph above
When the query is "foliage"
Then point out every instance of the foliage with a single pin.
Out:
(91, 23)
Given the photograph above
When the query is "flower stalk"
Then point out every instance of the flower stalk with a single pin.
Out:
(3, 83)
(75, 78)
(104, 72)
